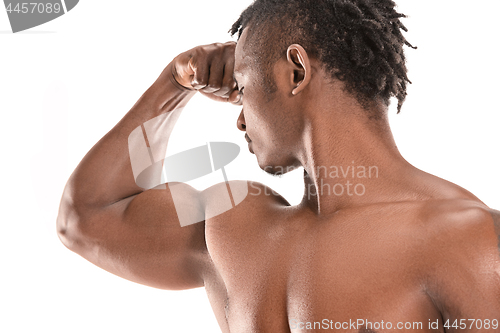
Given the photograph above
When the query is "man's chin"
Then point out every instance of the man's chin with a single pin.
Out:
(277, 171)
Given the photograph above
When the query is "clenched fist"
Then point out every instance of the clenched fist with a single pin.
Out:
(208, 69)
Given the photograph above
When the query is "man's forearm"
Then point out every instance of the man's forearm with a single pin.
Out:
(105, 174)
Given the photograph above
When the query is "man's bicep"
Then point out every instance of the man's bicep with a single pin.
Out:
(141, 239)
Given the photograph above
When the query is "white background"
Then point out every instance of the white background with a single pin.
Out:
(64, 84)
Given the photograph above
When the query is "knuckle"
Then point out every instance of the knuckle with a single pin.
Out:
(224, 90)
(208, 90)
(199, 85)
(198, 80)
(231, 46)
(214, 85)
(220, 93)
(201, 52)
(229, 83)
(198, 75)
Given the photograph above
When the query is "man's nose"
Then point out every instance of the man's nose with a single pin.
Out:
(241, 122)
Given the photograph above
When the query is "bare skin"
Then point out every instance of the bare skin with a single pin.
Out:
(412, 249)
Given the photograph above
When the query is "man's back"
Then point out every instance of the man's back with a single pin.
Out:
(277, 267)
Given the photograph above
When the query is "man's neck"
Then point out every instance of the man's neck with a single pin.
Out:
(351, 159)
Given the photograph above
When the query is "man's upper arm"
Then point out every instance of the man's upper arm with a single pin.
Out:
(140, 239)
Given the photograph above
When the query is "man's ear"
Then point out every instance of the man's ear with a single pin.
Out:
(298, 58)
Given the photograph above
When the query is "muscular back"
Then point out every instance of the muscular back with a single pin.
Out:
(280, 267)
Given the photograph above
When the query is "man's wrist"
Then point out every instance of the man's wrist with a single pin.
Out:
(166, 93)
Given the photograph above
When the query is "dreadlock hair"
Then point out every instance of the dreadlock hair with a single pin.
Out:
(359, 42)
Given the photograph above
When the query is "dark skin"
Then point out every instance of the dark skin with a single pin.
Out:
(413, 248)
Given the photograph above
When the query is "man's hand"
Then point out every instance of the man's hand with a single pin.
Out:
(208, 69)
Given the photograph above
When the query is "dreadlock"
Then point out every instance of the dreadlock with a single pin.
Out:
(358, 41)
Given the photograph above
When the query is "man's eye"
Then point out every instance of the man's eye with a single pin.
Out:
(241, 91)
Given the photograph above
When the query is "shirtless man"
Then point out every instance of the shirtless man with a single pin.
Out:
(414, 253)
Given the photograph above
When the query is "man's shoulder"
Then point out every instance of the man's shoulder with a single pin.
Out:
(495, 215)
(461, 234)
(440, 228)
(454, 236)
(454, 210)
(452, 219)
(462, 257)
(458, 213)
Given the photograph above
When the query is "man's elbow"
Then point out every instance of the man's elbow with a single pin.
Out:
(63, 234)
(69, 226)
